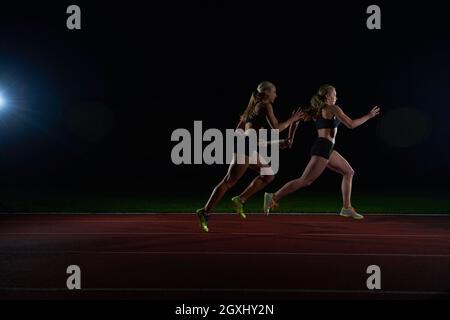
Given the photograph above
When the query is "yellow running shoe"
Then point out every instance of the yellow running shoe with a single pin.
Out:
(203, 219)
(238, 206)
(351, 212)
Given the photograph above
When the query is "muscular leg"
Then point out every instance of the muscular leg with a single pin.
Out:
(235, 172)
(338, 164)
(312, 171)
(258, 183)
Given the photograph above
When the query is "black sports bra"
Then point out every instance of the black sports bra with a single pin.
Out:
(322, 123)
(257, 120)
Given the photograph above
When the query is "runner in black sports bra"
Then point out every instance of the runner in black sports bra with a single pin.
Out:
(323, 154)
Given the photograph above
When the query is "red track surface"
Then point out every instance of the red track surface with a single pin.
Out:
(276, 257)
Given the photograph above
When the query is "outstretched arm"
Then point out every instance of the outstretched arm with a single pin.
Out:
(353, 123)
(273, 121)
(284, 143)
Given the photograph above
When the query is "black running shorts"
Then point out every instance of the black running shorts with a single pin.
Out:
(322, 147)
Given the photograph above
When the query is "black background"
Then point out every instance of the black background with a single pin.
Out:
(97, 107)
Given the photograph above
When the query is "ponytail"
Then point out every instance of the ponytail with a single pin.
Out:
(318, 101)
(256, 97)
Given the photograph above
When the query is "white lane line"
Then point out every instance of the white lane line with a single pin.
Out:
(243, 253)
(263, 290)
(440, 236)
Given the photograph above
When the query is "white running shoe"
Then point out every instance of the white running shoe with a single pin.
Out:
(351, 212)
(269, 203)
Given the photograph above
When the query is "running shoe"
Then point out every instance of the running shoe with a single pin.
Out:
(351, 212)
(203, 219)
(238, 207)
(269, 203)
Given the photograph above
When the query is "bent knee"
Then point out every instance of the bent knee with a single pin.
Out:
(268, 179)
(349, 173)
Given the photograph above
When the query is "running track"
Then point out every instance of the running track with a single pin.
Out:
(156, 256)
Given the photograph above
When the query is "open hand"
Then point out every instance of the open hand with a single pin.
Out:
(374, 112)
(297, 115)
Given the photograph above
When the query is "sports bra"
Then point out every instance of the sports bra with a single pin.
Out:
(322, 123)
(257, 120)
